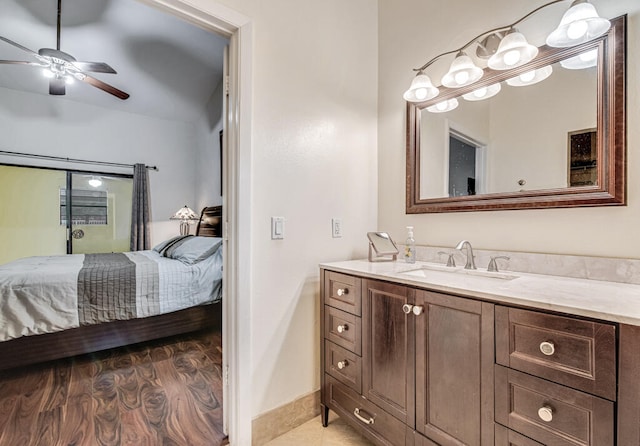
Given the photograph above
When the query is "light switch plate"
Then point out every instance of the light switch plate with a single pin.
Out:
(336, 227)
(277, 228)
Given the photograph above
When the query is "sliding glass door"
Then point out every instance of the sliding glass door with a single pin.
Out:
(99, 208)
(54, 211)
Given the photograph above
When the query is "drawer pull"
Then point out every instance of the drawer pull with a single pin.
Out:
(545, 413)
(342, 328)
(343, 364)
(342, 291)
(356, 412)
(547, 348)
(417, 310)
(407, 308)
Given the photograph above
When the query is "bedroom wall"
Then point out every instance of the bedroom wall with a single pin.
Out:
(34, 123)
(207, 179)
(413, 31)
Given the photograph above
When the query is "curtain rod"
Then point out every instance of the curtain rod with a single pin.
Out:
(71, 160)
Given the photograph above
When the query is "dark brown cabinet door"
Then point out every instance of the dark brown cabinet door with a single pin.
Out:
(388, 349)
(454, 370)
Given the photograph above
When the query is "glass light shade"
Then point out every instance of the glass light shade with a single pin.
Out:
(444, 106)
(483, 93)
(95, 182)
(185, 213)
(579, 24)
(531, 77)
(421, 89)
(585, 60)
(462, 72)
(514, 50)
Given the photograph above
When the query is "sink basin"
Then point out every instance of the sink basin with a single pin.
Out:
(427, 271)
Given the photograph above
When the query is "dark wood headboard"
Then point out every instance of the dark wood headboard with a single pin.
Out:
(210, 223)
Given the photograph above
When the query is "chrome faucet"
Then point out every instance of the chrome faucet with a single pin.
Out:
(471, 264)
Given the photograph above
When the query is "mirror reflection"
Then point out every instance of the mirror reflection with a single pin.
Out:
(507, 137)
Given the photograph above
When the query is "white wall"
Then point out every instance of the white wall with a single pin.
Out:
(413, 31)
(40, 124)
(314, 111)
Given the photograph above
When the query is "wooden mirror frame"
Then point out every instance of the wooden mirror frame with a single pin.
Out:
(611, 120)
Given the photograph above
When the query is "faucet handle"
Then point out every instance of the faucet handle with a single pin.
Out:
(493, 265)
(450, 261)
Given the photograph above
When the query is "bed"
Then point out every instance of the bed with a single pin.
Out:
(173, 289)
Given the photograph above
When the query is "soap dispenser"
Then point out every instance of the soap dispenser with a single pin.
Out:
(410, 247)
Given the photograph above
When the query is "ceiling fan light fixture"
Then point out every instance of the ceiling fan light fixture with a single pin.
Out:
(46, 72)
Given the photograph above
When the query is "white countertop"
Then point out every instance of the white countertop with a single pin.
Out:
(610, 301)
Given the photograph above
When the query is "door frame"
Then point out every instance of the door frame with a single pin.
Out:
(236, 305)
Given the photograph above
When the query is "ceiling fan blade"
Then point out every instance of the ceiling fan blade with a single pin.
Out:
(95, 67)
(17, 45)
(20, 62)
(105, 87)
(57, 87)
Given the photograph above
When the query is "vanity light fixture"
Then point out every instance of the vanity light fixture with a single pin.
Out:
(483, 93)
(421, 89)
(462, 72)
(444, 106)
(587, 59)
(580, 23)
(531, 77)
(514, 51)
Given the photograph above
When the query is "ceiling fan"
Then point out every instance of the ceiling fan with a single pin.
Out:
(62, 68)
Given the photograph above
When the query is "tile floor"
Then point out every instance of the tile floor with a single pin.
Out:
(312, 433)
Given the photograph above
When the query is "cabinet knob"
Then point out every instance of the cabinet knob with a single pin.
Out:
(545, 413)
(407, 308)
(417, 310)
(365, 420)
(342, 291)
(343, 364)
(547, 348)
(342, 328)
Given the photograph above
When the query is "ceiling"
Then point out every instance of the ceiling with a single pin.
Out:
(168, 66)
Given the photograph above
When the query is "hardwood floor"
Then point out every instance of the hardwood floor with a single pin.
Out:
(160, 393)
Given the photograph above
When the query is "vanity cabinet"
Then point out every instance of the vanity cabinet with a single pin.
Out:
(426, 367)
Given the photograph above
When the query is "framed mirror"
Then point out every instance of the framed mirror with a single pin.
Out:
(559, 142)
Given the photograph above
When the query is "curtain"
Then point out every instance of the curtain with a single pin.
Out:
(140, 238)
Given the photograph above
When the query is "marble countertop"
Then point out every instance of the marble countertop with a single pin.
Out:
(610, 301)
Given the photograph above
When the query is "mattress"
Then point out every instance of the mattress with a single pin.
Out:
(52, 293)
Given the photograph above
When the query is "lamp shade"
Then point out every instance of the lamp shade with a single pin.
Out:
(462, 72)
(421, 89)
(185, 213)
(514, 50)
(531, 77)
(483, 93)
(444, 106)
(587, 59)
(579, 24)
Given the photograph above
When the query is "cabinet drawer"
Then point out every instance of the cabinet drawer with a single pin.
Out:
(580, 354)
(343, 365)
(343, 292)
(506, 437)
(379, 426)
(550, 413)
(343, 329)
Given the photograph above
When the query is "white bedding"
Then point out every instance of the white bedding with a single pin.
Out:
(39, 294)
